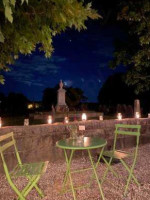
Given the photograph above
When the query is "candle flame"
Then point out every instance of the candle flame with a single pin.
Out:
(84, 117)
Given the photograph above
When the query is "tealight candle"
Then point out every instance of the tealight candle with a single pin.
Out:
(119, 116)
(137, 115)
(49, 120)
(26, 122)
(66, 120)
(101, 117)
(84, 117)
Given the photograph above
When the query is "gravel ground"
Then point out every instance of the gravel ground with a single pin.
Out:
(113, 187)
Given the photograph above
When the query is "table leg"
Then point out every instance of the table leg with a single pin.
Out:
(94, 170)
(68, 172)
(97, 163)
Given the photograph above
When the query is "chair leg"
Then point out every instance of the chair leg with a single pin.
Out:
(127, 184)
(68, 162)
(28, 185)
(95, 174)
(38, 189)
(96, 165)
(130, 175)
(20, 195)
(108, 168)
(31, 185)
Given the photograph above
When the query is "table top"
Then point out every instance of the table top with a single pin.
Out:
(80, 144)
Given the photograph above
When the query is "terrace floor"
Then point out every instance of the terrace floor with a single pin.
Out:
(113, 188)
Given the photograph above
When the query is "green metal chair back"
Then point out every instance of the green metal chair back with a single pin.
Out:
(125, 129)
(5, 146)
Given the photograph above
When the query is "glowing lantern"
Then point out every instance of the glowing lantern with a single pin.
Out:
(30, 106)
(49, 120)
(84, 117)
(137, 115)
(101, 117)
(66, 120)
(26, 122)
(119, 116)
(87, 141)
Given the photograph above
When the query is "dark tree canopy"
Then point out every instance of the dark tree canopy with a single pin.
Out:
(13, 104)
(74, 96)
(135, 51)
(24, 24)
(49, 98)
(115, 91)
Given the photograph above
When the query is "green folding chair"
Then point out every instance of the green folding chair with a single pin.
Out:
(109, 156)
(32, 171)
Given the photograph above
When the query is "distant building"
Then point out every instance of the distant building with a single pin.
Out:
(34, 105)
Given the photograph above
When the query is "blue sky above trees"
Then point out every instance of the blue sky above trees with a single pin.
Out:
(80, 59)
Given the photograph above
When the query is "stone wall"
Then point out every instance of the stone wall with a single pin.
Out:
(37, 142)
(77, 115)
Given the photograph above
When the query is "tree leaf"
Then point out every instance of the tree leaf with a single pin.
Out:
(1, 37)
(13, 2)
(31, 25)
(5, 2)
(2, 80)
(22, 1)
(8, 13)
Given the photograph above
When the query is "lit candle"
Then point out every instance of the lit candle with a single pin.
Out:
(84, 117)
(26, 122)
(49, 120)
(101, 117)
(66, 120)
(148, 115)
(86, 141)
(137, 115)
(119, 116)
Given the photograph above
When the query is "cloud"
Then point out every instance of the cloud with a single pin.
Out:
(82, 79)
(68, 83)
(104, 52)
(31, 70)
(103, 65)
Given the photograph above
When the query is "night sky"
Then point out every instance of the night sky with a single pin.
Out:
(80, 59)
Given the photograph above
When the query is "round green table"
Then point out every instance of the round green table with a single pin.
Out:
(87, 144)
